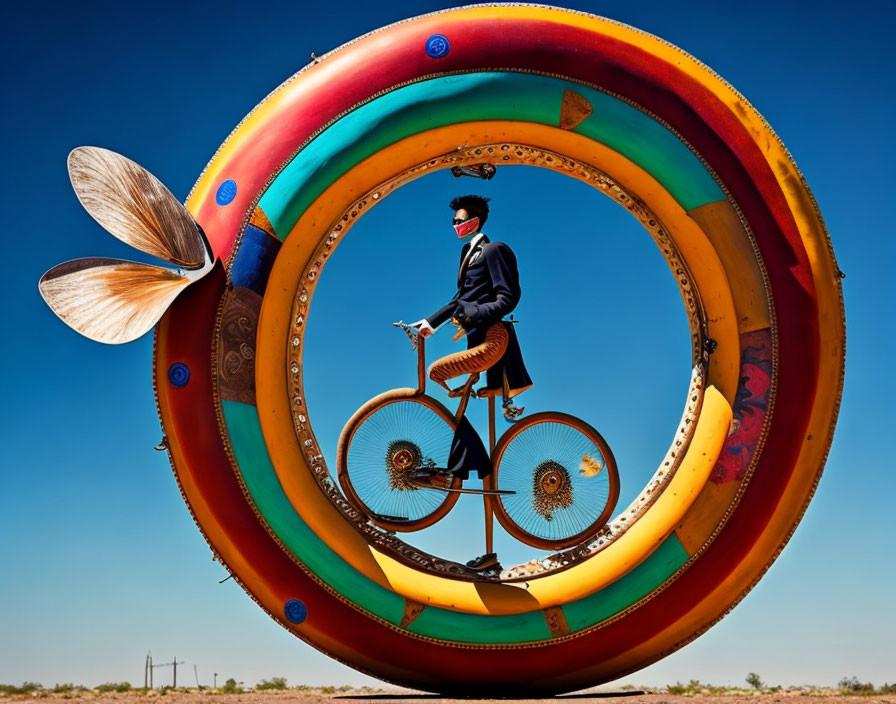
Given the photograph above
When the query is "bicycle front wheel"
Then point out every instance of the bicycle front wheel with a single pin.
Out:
(383, 445)
(564, 476)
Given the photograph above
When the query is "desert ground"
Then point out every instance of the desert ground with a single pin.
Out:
(395, 696)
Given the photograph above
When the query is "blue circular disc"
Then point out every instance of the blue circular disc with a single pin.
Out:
(226, 192)
(437, 46)
(295, 611)
(179, 374)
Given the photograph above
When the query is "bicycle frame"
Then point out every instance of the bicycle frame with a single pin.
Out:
(420, 344)
(488, 483)
(492, 504)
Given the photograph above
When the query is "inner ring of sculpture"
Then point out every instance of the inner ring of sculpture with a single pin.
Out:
(505, 154)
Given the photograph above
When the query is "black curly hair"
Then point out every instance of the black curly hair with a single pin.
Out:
(476, 206)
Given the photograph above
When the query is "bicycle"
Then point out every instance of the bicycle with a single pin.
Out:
(560, 480)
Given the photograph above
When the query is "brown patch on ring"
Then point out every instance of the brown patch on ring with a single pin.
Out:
(260, 220)
(236, 345)
(556, 621)
(573, 110)
(412, 609)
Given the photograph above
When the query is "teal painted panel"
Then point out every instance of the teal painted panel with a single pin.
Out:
(624, 592)
(257, 471)
(482, 96)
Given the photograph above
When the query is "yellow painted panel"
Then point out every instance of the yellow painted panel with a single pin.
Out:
(721, 225)
(705, 514)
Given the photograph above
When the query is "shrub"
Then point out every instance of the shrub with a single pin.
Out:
(692, 687)
(113, 687)
(329, 689)
(231, 687)
(26, 688)
(273, 683)
(852, 684)
(755, 681)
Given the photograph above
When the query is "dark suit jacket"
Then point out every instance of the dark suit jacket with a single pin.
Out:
(488, 288)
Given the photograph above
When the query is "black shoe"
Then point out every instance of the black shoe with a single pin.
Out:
(511, 412)
(489, 562)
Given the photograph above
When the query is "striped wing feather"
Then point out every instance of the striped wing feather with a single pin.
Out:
(132, 204)
(110, 300)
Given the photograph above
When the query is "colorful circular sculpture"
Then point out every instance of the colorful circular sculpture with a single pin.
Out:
(653, 129)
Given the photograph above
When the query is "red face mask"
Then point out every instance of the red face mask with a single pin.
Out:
(467, 227)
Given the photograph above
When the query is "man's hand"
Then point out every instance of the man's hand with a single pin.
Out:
(424, 329)
(467, 314)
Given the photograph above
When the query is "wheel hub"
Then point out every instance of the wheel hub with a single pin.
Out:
(552, 489)
(402, 458)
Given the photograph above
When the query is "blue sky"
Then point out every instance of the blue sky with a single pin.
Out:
(99, 558)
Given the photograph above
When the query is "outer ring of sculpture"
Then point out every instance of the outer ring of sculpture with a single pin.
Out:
(802, 282)
(276, 335)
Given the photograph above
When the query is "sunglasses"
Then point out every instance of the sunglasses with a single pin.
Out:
(458, 221)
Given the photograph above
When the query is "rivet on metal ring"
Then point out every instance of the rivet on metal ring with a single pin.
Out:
(295, 611)
(437, 46)
(226, 192)
(179, 374)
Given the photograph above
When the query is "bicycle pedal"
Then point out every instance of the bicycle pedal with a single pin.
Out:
(431, 480)
(513, 413)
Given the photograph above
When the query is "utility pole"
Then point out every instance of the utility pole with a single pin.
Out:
(174, 663)
(196, 672)
(216, 680)
(147, 671)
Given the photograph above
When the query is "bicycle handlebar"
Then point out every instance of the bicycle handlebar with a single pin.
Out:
(411, 331)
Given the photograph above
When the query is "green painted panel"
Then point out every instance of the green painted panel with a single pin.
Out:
(251, 454)
(471, 628)
(482, 96)
(624, 592)
(255, 466)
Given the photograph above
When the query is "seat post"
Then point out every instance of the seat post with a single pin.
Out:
(488, 482)
(421, 366)
(491, 424)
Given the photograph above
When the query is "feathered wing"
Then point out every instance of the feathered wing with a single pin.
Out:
(134, 206)
(110, 300)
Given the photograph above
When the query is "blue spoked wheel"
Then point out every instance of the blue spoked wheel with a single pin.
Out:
(387, 441)
(564, 476)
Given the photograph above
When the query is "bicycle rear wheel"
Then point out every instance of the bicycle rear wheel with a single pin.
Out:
(564, 476)
(381, 447)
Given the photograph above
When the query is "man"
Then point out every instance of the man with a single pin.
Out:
(487, 289)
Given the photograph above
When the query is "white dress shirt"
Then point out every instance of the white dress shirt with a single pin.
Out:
(473, 243)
